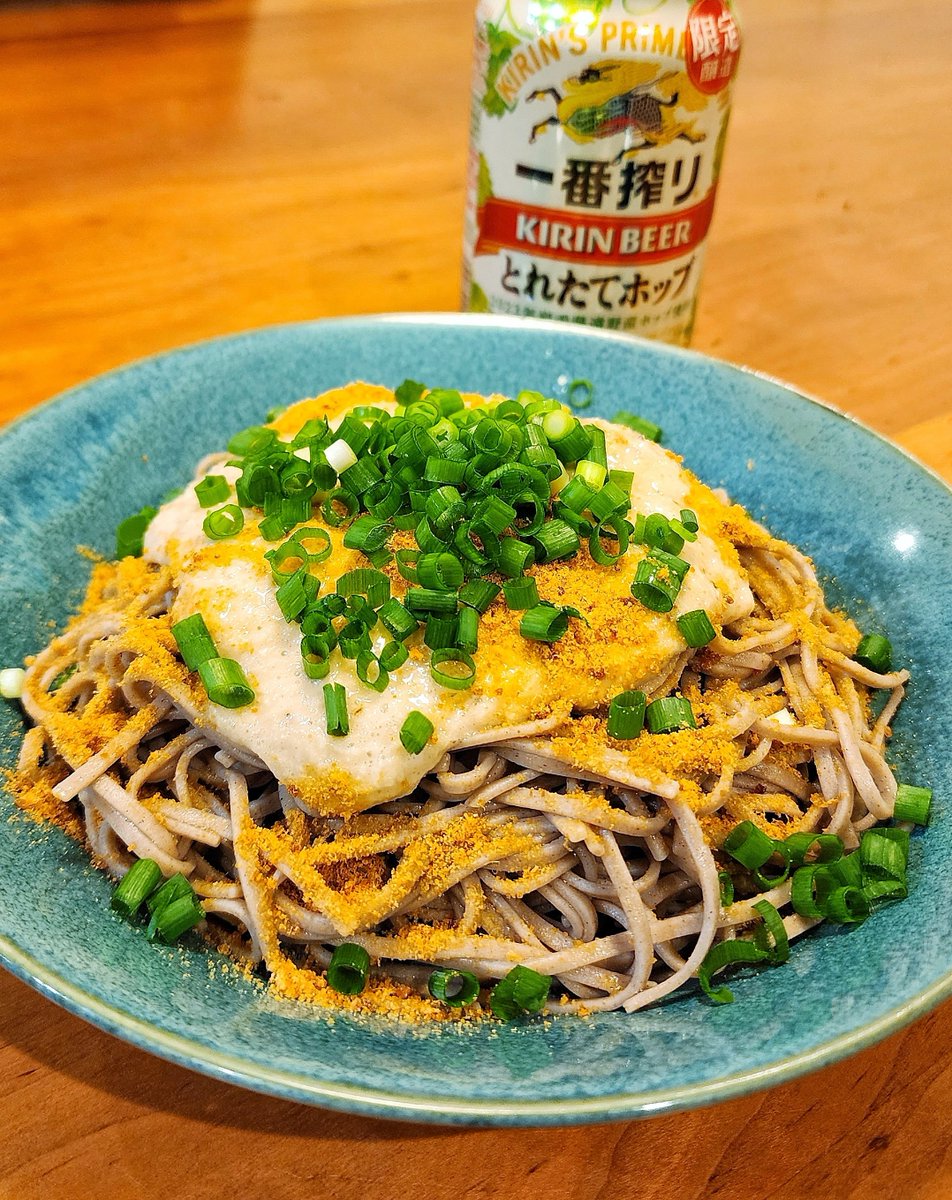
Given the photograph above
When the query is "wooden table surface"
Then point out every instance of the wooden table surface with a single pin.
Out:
(172, 171)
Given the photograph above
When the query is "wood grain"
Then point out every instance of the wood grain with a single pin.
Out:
(171, 171)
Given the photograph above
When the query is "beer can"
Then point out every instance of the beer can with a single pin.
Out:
(597, 135)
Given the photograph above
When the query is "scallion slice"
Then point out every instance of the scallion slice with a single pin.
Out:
(696, 628)
(658, 580)
(440, 570)
(454, 988)
(544, 623)
(521, 992)
(131, 532)
(670, 714)
(175, 918)
(626, 715)
(647, 429)
(195, 643)
(732, 953)
(415, 732)
(771, 936)
(348, 969)
(467, 631)
(139, 881)
(580, 393)
(223, 522)
(750, 846)
(335, 709)
(225, 682)
(913, 804)
(213, 489)
(875, 652)
(292, 595)
(462, 668)
(479, 594)
(397, 619)
(427, 600)
(393, 655)
(521, 593)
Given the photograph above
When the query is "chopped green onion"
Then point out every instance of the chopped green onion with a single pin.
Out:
(658, 580)
(727, 954)
(440, 570)
(696, 628)
(577, 494)
(195, 643)
(441, 632)
(55, 684)
(514, 557)
(670, 714)
(610, 501)
(175, 918)
(361, 477)
(225, 683)
(521, 593)
(444, 470)
(213, 489)
(567, 436)
(874, 652)
(445, 508)
(424, 601)
(623, 480)
(250, 442)
(689, 520)
(726, 884)
(750, 846)
(316, 543)
(223, 522)
(347, 971)
(556, 540)
(131, 531)
(597, 454)
(479, 594)
(271, 528)
(646, 428)
(393, 655)
(334, 501)
(810, 889)
(771, 936)
(626, 715)
(315, 656)
(415, 732)
(580, 393)
(397, 619)
(292, 596)
(882, 857)
(544, 623)
(462, 672)
(913, 804)
(371, 671)
(494, 514)
(364, 581)
(139, 881)
(335, 709)
(174, 888)
(409, 392)
(847, 906)
(286, 560)
(455, 988)
(520, 992)
(467, 635)
(596, 545)
(817, 847)
(766, 880)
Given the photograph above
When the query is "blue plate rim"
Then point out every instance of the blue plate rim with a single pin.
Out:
(283, 1084)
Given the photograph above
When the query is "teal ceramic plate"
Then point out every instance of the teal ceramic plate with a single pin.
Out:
(875, 521)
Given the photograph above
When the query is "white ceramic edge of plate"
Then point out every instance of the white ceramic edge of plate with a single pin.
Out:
(342, 1097)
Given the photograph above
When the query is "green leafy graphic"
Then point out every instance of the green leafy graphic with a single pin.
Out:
(501, 45)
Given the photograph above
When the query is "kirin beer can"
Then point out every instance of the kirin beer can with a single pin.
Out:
(597, 137)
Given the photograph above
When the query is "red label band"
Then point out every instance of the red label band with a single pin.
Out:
(580, 238)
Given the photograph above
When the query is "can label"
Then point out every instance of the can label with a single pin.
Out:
(597, 136)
